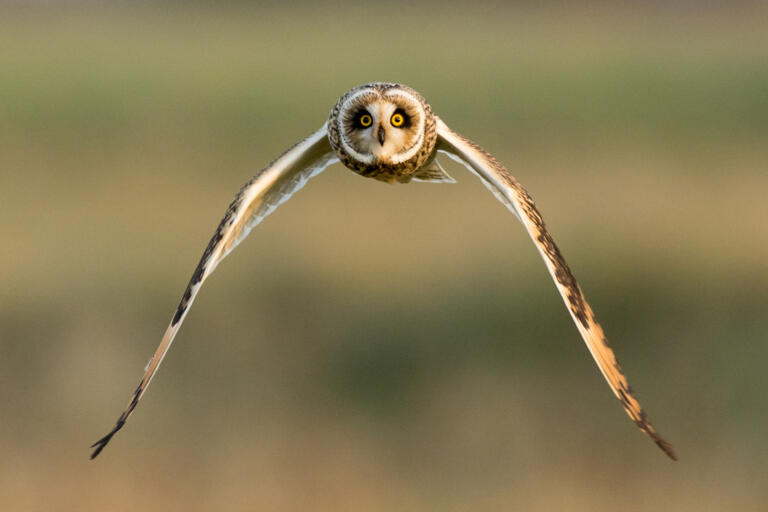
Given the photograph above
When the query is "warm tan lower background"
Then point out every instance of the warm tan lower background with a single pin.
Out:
(375, 347)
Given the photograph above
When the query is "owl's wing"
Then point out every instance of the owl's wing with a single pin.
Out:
(272, 186)
(506, 188)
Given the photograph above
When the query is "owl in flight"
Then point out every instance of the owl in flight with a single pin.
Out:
(388, 132)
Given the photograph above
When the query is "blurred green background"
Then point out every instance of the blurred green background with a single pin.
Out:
(375, 347)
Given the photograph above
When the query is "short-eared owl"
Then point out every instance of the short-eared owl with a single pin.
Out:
(388, 132)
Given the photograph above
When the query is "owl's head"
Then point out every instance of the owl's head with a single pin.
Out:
(382, 130)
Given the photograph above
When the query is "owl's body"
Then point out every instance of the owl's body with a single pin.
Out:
(388, 132)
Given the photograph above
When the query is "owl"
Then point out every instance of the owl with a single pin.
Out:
(388, 132)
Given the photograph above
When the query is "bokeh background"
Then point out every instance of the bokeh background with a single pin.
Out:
(375, 347)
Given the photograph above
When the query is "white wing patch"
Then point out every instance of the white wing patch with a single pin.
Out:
(495, 190)
(277, 197)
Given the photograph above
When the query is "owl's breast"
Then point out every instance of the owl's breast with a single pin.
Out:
(390, 173)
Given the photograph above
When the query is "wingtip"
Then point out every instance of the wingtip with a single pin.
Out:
(96, 452)
(100, 444)
(666, 448)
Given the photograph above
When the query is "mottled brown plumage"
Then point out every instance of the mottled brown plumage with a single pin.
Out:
(388, 132)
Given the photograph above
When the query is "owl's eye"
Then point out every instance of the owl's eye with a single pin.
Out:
(365, 120)
(397, 120)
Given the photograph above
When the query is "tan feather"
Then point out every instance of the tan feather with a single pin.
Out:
(517, 199)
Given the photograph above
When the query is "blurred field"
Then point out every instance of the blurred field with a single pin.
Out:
(376, 347)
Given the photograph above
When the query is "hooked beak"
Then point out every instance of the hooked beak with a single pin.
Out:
(380, 135)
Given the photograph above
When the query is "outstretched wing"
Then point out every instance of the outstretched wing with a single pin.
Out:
(272, 186)
(506, 188)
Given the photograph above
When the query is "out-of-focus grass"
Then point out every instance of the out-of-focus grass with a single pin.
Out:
(374, 347)
(702, 80)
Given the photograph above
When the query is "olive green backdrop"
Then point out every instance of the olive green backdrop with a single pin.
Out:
(375, 347)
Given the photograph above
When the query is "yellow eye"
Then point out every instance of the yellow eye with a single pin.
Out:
(366, 120)
(397, 120)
